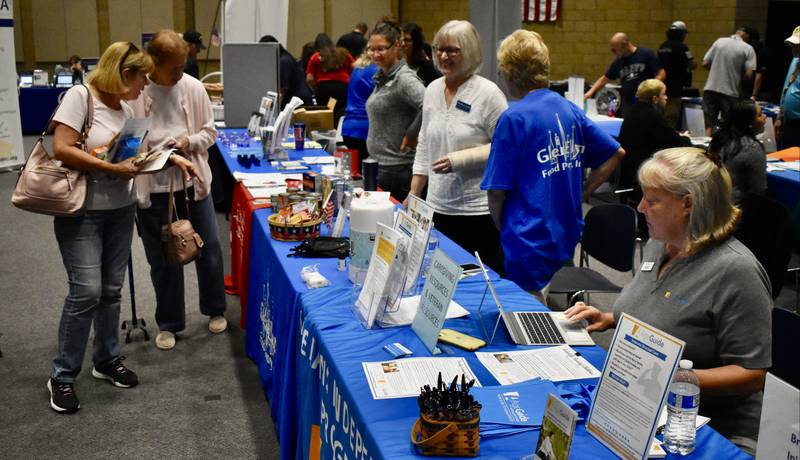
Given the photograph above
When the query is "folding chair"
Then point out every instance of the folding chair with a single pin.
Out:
(609, 236)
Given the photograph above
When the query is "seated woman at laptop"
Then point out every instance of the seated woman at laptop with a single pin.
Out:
(700, 284)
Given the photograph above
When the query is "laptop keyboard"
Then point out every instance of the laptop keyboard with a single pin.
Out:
(540, 328)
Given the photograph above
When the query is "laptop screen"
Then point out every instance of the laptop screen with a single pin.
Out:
(64, 80)
(26, 80)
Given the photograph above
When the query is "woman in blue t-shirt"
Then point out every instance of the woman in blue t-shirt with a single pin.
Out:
(534, 175)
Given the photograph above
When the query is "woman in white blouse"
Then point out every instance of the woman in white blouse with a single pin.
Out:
(459, 114)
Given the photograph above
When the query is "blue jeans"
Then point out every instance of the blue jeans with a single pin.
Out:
(168, 279)
(95, 248)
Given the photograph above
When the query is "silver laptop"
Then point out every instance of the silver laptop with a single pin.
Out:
(63, 80)
(538, 327)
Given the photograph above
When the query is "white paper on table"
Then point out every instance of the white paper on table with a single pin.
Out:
(254, 180)
(320, 160)
(785, 166)
(408, 308)
(553, 363)
(422, 212)
(329, 170)
(402, 378)
(383, 252)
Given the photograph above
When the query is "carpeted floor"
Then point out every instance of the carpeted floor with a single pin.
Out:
(203, 399)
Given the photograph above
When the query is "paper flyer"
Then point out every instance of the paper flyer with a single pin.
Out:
(372, 295)
(558, 429)
(635, 379)
(422, 213)
(402, 378)
(552, 363)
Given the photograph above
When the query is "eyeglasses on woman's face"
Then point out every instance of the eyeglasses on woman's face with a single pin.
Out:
(450, 51)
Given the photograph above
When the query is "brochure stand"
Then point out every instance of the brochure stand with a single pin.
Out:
(388, 304)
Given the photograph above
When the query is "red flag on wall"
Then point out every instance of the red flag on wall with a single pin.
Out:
(541, 10)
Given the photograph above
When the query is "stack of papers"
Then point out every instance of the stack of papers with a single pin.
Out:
(289, 144)
(512, 409)
(264, 185)
(553, 363)
(783, 166)
(407, 308)
(320, 160)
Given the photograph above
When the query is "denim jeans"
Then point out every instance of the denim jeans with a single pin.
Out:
(95, 248)
(168, 279)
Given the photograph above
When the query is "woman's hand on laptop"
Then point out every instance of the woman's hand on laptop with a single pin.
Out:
(598, 321)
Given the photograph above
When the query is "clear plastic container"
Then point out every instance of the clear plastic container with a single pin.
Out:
(683, 402)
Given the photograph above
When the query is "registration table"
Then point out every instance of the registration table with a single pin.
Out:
(309, 348)
(35, 107)
(231, 143)
(784, 186)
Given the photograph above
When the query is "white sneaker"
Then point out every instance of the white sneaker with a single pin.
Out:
(165, 340)
(217, 324)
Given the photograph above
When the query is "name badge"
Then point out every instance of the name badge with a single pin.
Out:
(463, 106)
(647, 266)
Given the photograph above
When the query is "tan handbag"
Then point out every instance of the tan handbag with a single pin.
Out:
(180, 243)
(44, 186)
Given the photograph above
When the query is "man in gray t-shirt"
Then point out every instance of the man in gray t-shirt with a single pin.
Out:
(727, 60)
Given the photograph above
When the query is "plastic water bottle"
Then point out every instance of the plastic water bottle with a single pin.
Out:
(433, 243)
(683, 402)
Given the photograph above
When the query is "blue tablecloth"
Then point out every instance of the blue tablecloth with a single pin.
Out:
(784, 186)
(35, 107)
(309, 348)
(234, 141)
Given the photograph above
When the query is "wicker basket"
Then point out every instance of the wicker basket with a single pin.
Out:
(293, 232)
(450, 439)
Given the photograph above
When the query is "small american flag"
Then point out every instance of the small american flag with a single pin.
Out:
(328, 209)
(541, 10)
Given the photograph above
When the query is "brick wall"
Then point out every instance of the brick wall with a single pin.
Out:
(432, 14)
(578, 41)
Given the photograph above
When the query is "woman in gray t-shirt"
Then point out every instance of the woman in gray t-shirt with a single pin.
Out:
(700, 284)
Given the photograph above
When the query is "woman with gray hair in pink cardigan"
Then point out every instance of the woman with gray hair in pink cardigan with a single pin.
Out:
(181, 115)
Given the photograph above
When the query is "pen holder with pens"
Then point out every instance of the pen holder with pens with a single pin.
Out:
(449, 421)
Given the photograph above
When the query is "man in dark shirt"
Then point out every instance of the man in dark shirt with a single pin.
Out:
(632, 66)
(678, 63)
(355, 41)
(752, 88)
(192, 39)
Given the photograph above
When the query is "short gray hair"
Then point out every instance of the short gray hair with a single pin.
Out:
(689, 171)
(468, 40)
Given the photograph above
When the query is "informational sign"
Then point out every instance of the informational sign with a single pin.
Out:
(11, 148)
(779, 435)
(632, 388)
(443, 275)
